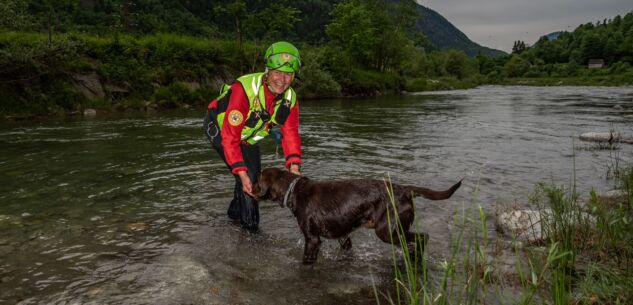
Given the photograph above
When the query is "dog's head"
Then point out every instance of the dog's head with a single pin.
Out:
(272, 184)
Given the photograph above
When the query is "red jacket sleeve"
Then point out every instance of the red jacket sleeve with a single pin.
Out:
(232, 126)
(291, 141)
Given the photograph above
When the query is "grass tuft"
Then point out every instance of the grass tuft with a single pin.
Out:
(585, 257)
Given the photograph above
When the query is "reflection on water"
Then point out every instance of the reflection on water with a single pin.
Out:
(132, 209)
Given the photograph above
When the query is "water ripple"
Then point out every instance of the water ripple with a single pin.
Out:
(133, 209)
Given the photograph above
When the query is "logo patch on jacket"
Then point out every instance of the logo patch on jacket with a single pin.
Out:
(235, 117)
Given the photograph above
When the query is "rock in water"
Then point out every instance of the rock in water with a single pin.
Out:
(90, 112)
(524, 225)
(600, 136)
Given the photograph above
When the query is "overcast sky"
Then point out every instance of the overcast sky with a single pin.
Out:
(498, 23)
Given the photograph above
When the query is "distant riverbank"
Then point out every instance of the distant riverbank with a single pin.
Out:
(63, 74)
(603, 80)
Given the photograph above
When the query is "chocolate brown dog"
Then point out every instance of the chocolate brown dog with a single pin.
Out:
(333, 209)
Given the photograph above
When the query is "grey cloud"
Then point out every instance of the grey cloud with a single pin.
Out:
(497, 23)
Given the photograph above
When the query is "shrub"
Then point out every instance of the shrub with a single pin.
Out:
(315, 79)
(416, 84)
(620, 68)
(516, 66)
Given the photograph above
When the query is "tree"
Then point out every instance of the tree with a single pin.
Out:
(314, 15)
(237, 10)
(371, 36)
(405, 16)
(519, 47)
(397, 31)
(352, 30)
(456, 63)
(486, 65)
(13, 15)
(275, 22)
(611, 48)
(591, 47)
(516, 66)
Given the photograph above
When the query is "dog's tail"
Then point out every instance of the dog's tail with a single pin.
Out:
(434, 195)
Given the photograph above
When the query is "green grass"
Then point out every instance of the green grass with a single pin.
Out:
(440, 83)
(37, 75)
(622, 79)
(586, 256)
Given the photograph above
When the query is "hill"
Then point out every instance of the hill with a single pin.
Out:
(446, 36)
(553, 35)
(305, 19)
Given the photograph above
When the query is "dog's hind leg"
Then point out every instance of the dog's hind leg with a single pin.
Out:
(417, 242)
(346, 243)
(392, 230)
(387, 229)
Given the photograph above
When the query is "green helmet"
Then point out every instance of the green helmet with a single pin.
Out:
(283, 56)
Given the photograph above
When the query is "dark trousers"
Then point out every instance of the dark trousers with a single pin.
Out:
(243, 206)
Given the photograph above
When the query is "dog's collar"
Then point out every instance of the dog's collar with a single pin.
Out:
(289, 191)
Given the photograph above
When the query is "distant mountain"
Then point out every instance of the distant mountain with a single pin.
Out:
(552, 36)
(446, 36)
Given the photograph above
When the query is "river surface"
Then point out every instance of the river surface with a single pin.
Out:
(131, 209)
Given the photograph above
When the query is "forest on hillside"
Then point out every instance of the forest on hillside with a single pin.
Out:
(64, 56)
(300, 20)
(609, 40)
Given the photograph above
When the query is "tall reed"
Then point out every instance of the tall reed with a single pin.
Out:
(599, 232)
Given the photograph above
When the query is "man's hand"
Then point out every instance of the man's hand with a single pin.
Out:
(247, 185)
(295, 169)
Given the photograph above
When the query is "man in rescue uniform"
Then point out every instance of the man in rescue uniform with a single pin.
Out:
(243, 115)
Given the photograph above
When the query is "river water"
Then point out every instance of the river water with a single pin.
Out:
(131, 209)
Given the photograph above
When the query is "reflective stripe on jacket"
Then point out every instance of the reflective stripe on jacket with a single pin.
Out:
(246, 119)
(258, 120)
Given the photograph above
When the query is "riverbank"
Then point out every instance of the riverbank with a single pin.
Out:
(65, 74)
(616, 80)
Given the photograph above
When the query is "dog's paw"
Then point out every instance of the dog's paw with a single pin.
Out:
(309, 260)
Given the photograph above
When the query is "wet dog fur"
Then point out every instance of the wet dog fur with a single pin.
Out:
(333, 209)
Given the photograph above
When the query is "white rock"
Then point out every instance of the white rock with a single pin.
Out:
(529, 225)
(613, 194)
(600, 136)
(524, 225)
(90, 112)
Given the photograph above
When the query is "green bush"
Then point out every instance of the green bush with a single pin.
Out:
(516, 66)
(620, 68)
(369, 83)
(416, 84)
(536, 71)
(316, 82)
(315, 79)
(363, 83)
(173, 96)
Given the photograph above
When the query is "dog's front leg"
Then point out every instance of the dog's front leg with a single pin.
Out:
(311, 250)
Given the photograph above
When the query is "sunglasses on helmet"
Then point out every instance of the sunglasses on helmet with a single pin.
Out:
(278, 61)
